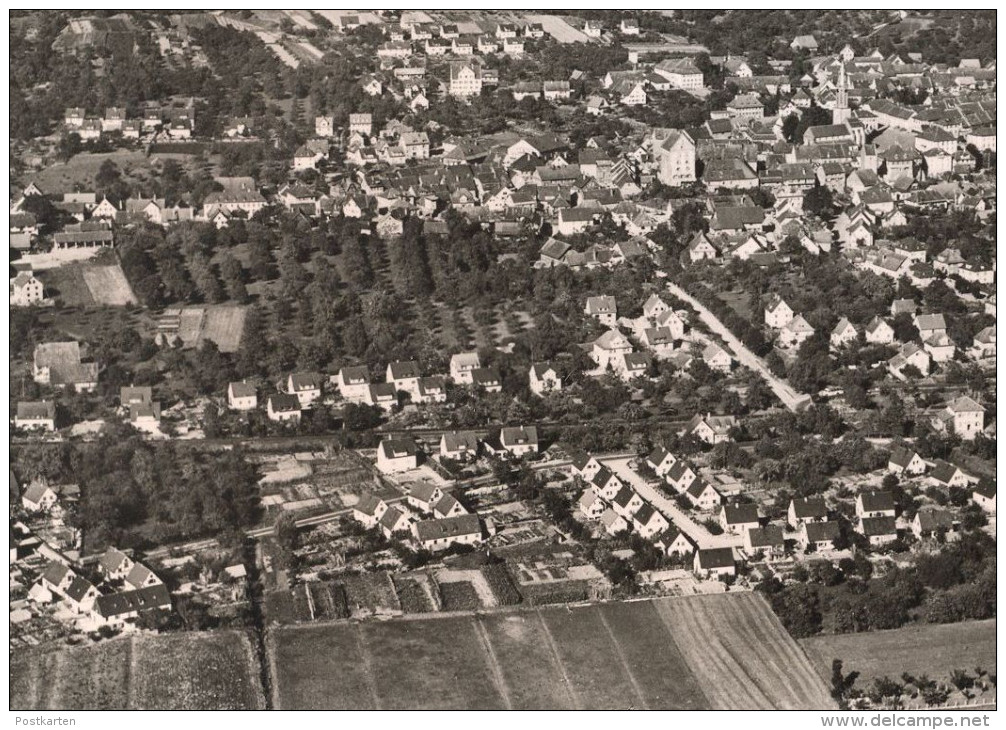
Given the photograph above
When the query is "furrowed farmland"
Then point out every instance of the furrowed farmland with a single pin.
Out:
(194, 671)
(642, 655)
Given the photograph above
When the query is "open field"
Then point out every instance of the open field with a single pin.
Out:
(725, 651)
(224, 326)
(559, 29)
(194, 671)
(108, 285)
(935, 650)
(81, 170)
(68, 284)
(741, 654)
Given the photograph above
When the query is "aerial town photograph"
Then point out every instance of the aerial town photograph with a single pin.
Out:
(503, 360)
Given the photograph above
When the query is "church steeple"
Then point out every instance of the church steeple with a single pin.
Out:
(840, 114)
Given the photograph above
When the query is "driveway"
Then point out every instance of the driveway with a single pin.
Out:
(793, 400)
(681, 519)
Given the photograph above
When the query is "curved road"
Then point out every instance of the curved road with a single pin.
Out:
(792, 399)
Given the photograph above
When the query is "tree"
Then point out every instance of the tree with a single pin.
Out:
(842, 684)
(232, 275)
(818, 200)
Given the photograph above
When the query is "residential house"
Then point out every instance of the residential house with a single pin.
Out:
(354, 383)
(777, 312)
(397, 455)
(739, 518)
(423, 496)
(605, 483)
(946, 475)
(306, 386)
(242, 396)
(843, 334)
(115, 564)
(879, 332)
(714, 562)
(433, 389)
(626, 501)
(673, 541)
(648, 522)
(711, 429)
(931, 522)
(369, 510)
(591, 505)
(613, 522)
(818, 535)
(283, 407)
(962, 416)
(717, 358)
(661, 460)
(878, 530)
(459, 445)
(404, 376)
(59, 364)
(700, 493)
(768, 540)
(984, 495)
(448, 506)
(462, 366)
(543, 378)
(602, 308)
(875, 503)
(609, 350)
(436, 535)
(25, 289)
(36, 415)
(394, 522)
(803, 510)
(906, 461)
(39, 497)
(519, 440)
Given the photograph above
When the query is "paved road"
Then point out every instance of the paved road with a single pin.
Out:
(682, 520)
(792, 399)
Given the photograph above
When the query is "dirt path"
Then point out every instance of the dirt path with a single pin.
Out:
(793, 400)
(574, 697)
(493, 662)
(643, 704)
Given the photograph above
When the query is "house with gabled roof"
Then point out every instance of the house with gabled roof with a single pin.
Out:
(806, 509)
(714, 562)
(626, 501)
(354, 383)
(878, 530)
(544, 378)
(585, 465)
(875, 503)
(930, 522)
(945, 475)
(459, 445)
(661, 460)
(984, 495)
(879, 332)
(648, 522)
(711, 429)
(394, 522)
(673, 541)
(606, 483)
(906, 461)
(462, 366)
(448, 506)
(768, 540)
(397, 455)
(369, 510)
(702, 494)
(282, 407)
(603, 308)
(591, 504)
(963, 416)
(680, 475)
(613, 522)
(717, 358)
(739, 518)
(818, 535)
(242, 396)
(32, 415)
(844, 333)
(519, 440)
(305, 386)
(115, 564)
(423, 496)
(39, 496)
(140, 576)
(436, 535)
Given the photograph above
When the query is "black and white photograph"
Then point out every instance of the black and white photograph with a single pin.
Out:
(499, 359)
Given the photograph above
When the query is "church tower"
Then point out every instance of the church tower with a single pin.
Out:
(840, 114)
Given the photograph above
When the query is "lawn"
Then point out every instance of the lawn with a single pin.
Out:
(192, 671)
(108, 285)
(935, 650)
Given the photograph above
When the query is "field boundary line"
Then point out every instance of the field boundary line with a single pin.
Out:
(368, 666)
(271, 650)
(133, 674)
(494, 665)
(574, 696)
(621, 657)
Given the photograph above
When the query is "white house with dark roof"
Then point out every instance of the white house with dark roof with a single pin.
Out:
(875, 503)
(984, 495)
(423, 496)
(39, 496)
(606, 483)
(306, 386)
(613, 522)
(36, 415)
(768, 540)
(963, 416)
(626, 501)
(661, 460)
(462, 366)
(242, 396)
(519, 440)
(591, 504)
(906, 461)
(777, 312)
(603, 308)
(282, 407)
(544, 378)
(435, 535)
(806, 509)
(739, 518)
(648, 522)
(703, 495)
(818, 535)
(354, 383)
(673, 541)
(714, 562)
(459, 445)
(397, 455)
(369, 510)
